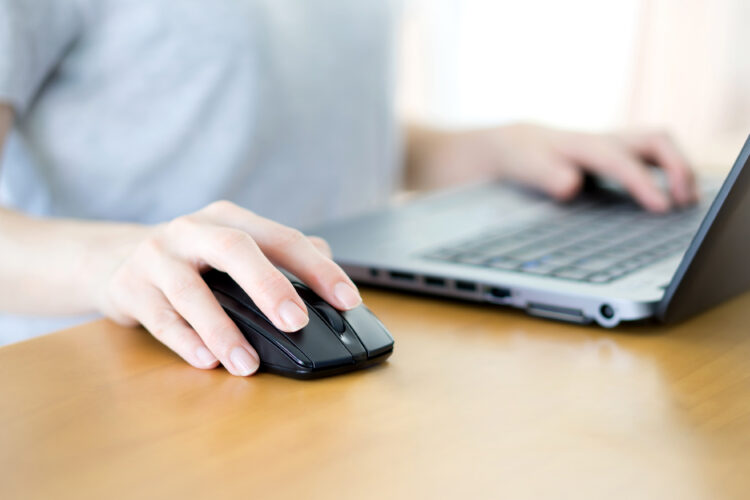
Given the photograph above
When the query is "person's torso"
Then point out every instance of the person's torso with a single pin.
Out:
(162, 106)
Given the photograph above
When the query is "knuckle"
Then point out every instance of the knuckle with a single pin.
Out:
(287, 237)
(318, 241)
(181, 225)
(229, 239)
(271, 284)
(184, 286)
(220, 336)
(220, 207)
(163, 321)
(322, 245)
(150, 248)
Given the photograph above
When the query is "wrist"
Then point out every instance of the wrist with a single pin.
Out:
(442, 158)
(103, 253)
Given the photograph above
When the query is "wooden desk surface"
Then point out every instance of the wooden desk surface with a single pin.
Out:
(474, 403)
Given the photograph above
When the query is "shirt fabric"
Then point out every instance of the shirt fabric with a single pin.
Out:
(144, 110)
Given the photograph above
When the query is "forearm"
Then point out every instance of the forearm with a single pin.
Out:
(437, 158)
(54, 266)
(51, 266)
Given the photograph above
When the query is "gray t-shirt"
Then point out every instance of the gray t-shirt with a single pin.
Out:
(142, 110)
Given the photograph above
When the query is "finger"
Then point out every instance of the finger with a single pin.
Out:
(293, 251)
(193, 300)
(662, 151)
(322, 246)
(617, 163)
(236, 253)
(158, 316)
(555, 176)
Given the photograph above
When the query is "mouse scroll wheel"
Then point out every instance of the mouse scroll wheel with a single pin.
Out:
(330, 316)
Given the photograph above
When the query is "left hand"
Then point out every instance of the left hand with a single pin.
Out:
(555, 161)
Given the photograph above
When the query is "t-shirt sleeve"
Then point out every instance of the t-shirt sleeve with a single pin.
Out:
(34, 35)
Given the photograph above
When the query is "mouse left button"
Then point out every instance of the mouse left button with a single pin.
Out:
(266, 341)
(222, 282)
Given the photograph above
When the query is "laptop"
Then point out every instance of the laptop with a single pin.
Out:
(599, 258)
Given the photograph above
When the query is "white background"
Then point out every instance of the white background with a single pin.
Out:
(678, 65)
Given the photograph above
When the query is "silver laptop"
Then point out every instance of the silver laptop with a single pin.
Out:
(599, 258)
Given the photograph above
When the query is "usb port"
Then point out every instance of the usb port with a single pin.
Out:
(498, 293)
(401, 276)
(466, 286)
(434, 281)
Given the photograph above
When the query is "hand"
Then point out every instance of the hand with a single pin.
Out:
(157, 282)
(555, 161)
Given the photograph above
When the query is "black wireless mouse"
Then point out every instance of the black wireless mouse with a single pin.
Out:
(333, 341)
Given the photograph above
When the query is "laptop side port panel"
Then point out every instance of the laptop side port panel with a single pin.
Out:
(606, 314)
(429, 283)
(568, 314)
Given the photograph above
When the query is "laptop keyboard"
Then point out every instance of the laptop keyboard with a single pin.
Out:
(592, 241)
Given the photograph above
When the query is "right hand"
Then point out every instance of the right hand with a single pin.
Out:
(157, 282)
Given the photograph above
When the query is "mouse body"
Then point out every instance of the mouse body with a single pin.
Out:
(333, 341)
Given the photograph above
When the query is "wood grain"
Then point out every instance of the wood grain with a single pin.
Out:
(476, 402)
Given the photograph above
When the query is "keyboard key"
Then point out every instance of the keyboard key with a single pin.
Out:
(571, 273)
(537, 267)
(470, 258)
(503, 263)
(595, 262)
(600, 278)
(558, 258)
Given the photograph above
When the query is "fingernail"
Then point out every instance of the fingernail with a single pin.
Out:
(347, 295)
(204, 356)
(293, 316)
(244, 363)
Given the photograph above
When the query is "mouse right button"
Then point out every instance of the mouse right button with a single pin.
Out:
(370, 330)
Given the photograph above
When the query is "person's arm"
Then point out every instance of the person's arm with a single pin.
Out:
(438, 158)
(551, 160)
(151, 274)
(6, 122)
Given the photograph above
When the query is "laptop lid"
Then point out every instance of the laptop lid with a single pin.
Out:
(716, 265)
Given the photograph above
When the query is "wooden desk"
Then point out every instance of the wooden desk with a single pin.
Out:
(475, 403)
